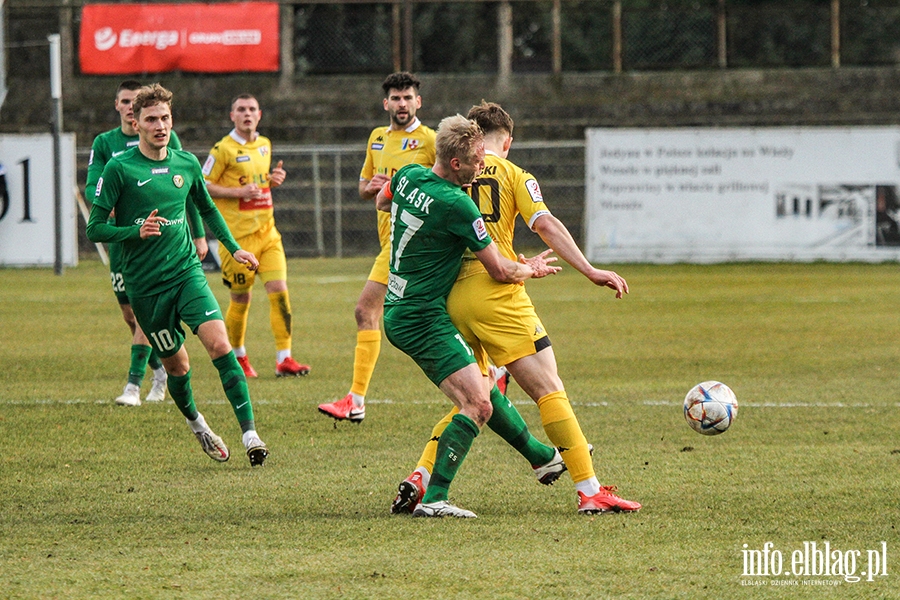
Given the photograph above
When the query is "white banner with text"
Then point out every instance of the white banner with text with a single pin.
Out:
(27, 220)
(716, 195)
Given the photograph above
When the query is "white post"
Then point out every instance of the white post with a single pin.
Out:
(56, 128)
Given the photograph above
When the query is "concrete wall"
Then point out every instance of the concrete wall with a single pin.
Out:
(327, 110)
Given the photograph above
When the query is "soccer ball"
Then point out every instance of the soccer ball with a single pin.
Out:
(710, 408)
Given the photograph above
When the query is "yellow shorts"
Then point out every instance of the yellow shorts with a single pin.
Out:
(267, 247)
(381, 268)
(498, 317)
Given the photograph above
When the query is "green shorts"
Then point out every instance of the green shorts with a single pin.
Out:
(115, 272)
(425, 334)
(160, 315)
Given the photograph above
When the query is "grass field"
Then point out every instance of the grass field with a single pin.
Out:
(108, 502)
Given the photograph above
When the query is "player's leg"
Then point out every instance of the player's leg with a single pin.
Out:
(505, 421)
(427, 336)
(140, 351)
(273, 271)
(369, 310)
(159, 315)
(139, 340)
(239, 281)
(198, 308)
(537, 375)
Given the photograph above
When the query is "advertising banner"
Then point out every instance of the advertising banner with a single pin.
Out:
(27, 220)
(118, 39)
(715, 195)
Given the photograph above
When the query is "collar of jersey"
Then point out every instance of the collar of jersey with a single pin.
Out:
(236, 137)
(412, 126)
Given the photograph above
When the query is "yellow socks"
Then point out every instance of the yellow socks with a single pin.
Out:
(368, 347)
(236, 323)
(565, 433)
(430, 452)
(280, 318)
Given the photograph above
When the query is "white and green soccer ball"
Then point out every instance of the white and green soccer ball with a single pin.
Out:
(710, 408)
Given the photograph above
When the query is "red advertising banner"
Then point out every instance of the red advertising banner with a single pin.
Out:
(118, 39)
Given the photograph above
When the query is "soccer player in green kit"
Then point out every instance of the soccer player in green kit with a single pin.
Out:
(107, 145)
(433, 221)
(149, 187)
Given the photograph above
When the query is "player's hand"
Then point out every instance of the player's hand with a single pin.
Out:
(252, 191)
(540, 264)
(276, 177)
(247, 259)
(150, 226)
(612, 280)
(376, 183)
(201, 246)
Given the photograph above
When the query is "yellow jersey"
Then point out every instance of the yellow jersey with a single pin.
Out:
(235, 162)
(502, 191)
(388, 150)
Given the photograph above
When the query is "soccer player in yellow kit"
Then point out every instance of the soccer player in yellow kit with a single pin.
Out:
(499, 319)
(238, 178)
(406, 140)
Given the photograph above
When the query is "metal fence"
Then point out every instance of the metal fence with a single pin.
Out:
(319, 212)
(501, 36)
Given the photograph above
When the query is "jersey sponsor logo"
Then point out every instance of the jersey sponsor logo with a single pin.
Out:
(99, 185)
(242, 158)
(144, 182)
(409, 144)
(91, 158)
(534, 190)
(377, 146)
(131, 144)
(396, 285)
(208, 165)
(160, 171)
(480, 229)
(178, 180)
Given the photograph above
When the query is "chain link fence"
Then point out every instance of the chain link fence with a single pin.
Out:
(319, 212)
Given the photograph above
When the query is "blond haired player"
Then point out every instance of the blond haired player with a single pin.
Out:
(499, 318)
(405, 141)
(238, 178)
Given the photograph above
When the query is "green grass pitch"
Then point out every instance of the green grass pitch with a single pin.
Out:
(100, 501)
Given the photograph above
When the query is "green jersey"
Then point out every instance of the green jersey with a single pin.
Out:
(134, 185)
(433, 221)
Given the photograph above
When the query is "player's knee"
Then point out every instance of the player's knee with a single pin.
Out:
(367, 317)
(482, 412)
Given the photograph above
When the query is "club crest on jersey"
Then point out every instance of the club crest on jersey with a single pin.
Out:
(208, 165)
(480, 229)
(409, 144)
(534, 190)
(178, 180)
(263, 150)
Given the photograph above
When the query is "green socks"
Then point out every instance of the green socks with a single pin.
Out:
(139, 356)
(235, 385)
(154, 361)
(180, 390)
(451, 452)
(508, 424)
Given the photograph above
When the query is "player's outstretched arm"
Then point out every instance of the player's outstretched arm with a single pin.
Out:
(557, 237)
(502, 269)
